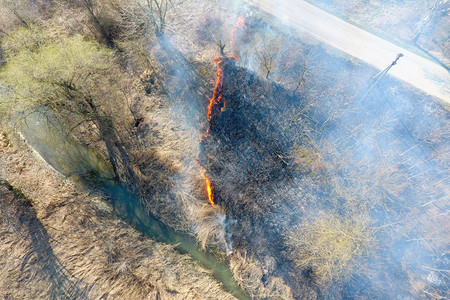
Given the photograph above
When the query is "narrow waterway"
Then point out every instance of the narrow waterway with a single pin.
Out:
(88, 168)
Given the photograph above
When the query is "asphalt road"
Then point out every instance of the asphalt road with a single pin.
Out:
(420, 72)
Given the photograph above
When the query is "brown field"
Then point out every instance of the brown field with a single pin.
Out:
(58, 241)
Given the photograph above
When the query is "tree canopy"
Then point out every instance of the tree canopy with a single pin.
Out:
(67, 74)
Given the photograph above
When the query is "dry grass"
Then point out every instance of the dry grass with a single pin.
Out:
(91, 249)
(330, 245)
(307, 160)
(249, 275)
(210, 225)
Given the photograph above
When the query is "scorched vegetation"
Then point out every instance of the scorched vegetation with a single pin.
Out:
(259, 141)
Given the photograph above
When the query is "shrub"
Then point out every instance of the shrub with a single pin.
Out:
(308, 160)
(330, 245)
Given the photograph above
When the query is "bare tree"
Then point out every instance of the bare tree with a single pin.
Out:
(156, 12)
(211, 30)
(137, 17)
(267, 62)
(93, 12)
(14, 13)
(266, 49)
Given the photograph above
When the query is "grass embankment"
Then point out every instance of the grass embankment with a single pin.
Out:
(58, 241)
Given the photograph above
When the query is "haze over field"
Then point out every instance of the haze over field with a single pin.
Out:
(224, 149)
(416, 70)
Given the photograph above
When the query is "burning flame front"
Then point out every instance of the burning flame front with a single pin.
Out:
(217, 103)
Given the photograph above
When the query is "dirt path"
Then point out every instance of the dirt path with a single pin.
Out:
(413, 69)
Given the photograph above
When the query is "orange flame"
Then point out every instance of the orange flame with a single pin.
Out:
(215, 107)
(216, 101)
(217, 104)
(210, 191)
(241, 23)
(209, 188)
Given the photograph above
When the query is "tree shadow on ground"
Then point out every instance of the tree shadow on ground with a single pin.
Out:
(20, 215)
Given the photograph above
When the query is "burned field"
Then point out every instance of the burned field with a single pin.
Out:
(281, 162)
(311, 177)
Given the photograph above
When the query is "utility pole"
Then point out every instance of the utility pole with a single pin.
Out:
(381, 74)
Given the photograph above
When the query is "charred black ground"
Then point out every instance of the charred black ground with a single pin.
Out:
(293, 152)
(265, 191)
